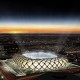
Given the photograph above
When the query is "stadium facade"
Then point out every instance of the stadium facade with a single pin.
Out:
(20, 66)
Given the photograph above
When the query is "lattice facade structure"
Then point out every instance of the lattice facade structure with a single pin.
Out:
(41, 65)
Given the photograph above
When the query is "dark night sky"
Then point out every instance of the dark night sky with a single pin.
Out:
(40, 8)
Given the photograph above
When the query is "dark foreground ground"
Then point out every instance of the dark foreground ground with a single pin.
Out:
(59, 76)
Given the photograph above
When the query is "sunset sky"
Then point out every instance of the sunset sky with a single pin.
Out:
(23, 18)
(39, 27)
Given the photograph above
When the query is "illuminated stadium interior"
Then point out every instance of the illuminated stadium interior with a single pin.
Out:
(40, 54)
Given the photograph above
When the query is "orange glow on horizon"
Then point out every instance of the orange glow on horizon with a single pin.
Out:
(39, 29)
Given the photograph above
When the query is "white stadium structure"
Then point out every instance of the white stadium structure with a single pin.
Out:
(21, 65)
(41, 65)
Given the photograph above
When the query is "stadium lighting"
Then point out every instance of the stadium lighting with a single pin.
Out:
(39, 55)
(40, 64)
